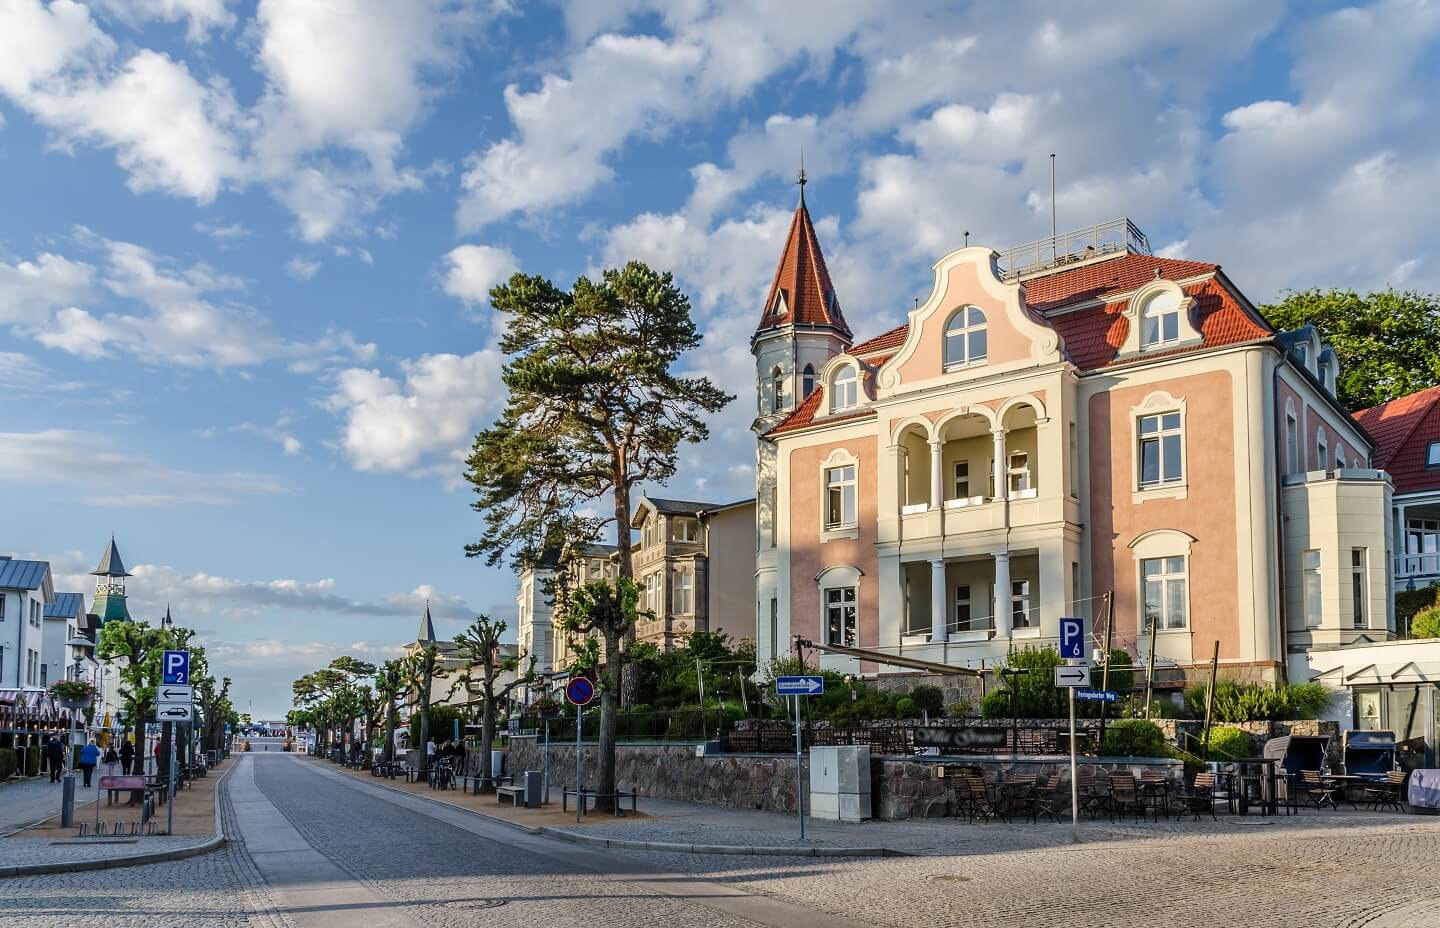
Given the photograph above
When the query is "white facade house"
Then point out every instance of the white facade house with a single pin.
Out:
(25, 588)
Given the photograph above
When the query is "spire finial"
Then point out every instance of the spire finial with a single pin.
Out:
(801, 180)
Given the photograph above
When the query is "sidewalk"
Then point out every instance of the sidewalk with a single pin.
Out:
(46, 847)
(667, 825)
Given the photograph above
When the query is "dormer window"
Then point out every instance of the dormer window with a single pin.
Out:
(1432, 454)
(846, 390)
(778, 308)
(1302, 353)
(1160, 319)
(807, 381)
(966, 341)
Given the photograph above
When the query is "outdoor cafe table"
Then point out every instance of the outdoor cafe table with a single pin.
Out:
(1252, 782)
(1343, 783)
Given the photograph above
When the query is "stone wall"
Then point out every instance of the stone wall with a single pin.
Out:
(673, 771)
(957, 687)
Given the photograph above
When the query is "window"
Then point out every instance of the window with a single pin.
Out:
(683, 596)
(1322, 449)
(840, 496)
(840, 616)
(652, 593)
(1292, 443)
(647, 533)
(44, 673)
(774, 627)
(1314, 608)
(1302, 354)
(1020, 604)
(1160, 449)
(1074, 463)
(965, 339)
(2, 607)
(684, 530)
(1339, 457)
(1358, 588)
(1019, 471)
(777, 390)
(1432, 454)
(847, 394)
(807, 381)
(962, 480)
(1160, 319)
(964, 619)
(1163, 582)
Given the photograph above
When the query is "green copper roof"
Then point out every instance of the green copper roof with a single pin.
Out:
(110, 607)
(110, 563)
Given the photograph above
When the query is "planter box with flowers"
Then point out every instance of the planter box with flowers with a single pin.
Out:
(546, 707)
(73, 694)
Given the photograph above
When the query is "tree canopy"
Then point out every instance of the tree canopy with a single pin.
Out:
(1387, 342)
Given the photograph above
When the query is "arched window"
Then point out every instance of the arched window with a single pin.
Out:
(777, 390)
(1322, 449)
(1160, 319)
(965, 341)
(846, 391)
(807, 381)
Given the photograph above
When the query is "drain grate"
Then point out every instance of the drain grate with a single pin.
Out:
(473, 903)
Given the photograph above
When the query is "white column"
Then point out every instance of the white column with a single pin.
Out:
(938, 597)
(1001, 482)
(937, 477)
(1002, 594)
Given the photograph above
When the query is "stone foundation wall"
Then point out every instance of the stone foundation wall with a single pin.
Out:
(673, 771)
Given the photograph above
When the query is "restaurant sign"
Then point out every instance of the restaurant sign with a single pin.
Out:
(967, 737)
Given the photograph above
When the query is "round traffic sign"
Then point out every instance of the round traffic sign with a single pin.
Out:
(580, 690)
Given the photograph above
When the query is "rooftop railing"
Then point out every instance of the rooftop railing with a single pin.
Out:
(1117, 235)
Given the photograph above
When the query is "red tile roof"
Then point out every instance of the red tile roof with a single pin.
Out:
(804, 414)
(809, 297)
(1099, 280)
(891, 339)
(1403, 430)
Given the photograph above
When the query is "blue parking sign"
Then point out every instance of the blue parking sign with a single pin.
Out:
(175, 668)
(1072, 638)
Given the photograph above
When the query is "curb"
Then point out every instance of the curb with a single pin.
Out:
(621, 843)
(131, 860)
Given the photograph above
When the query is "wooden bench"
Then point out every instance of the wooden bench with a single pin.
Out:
(616, 798)
(515, 793)
(467, 781)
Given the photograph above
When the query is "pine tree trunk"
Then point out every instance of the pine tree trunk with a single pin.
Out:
(629, 687)
(609, 708)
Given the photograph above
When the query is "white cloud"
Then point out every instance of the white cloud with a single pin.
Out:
(87, 460)
(300, 269)
(472, 270)
(31, 290)
(201, 16)
(423, 425)
(37, 42)
(223, 233)
(276, 433)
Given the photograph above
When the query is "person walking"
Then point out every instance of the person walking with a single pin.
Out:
(127, 756)
(111, 759)
(55, 756)
(89, 757)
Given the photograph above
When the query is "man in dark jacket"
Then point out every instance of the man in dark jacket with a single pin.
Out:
(127, 757)
(55, 754)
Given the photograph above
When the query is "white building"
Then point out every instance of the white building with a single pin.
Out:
(25, 588)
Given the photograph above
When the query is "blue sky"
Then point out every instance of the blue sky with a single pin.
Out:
(244, 248)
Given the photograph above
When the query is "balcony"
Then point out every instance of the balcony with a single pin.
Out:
(1418, 570)
(1075, 247)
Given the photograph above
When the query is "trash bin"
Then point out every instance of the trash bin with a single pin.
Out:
(534, 787)
(497, 763)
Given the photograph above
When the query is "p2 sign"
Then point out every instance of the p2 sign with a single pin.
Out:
(1072, 638)
(175, 667)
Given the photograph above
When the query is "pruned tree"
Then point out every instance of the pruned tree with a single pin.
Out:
(479, 646)
(390, 685)
(136, 646)
(421, 668)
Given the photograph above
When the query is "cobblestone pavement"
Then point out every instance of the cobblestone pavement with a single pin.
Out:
(219, 889)
(17, 851)
(25, 802)
(1334, 873)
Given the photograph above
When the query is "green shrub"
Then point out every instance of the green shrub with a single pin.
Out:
(32, 761)
(1036, 695)
(961, 709)
(9, 761)
(1426, 623)
(1254, 702)
(1228, 744)
(1135, 738)
(928, 698)
(905, 708)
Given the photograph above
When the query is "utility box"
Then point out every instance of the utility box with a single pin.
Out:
(840, 782)
(534, 789)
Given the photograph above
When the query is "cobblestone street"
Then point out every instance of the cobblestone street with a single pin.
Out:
(403, 860)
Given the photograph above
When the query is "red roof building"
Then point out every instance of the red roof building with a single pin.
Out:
(1406, 431)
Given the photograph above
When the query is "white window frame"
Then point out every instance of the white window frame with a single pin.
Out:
(1432, 454)
(1292, 439)
(777, 390)
(691, 529)
(1158, 405)
(1322, 448)
(682, 596)
(1170, 570)
(1168, 318)
(1312, 588)
(807, 381)
(1017, 475)
(840, 472)
(1020, 592)
(965, 334)
(845, 389)
(1340, 457)
(961, 483)
(837, 600)
(1360, 587)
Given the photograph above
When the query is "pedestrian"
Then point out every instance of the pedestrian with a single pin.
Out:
(430, 751)
(89, 757)
(55, 755)
(127, 756)
(111, 759)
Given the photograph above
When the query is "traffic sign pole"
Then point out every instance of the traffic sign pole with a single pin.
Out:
(170, 787)
(579, 716)
(1074, 777)
(799, 771)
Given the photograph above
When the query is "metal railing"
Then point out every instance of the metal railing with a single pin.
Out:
(673, 725)
(1072, 247)
(1417, 565)
(902, 740)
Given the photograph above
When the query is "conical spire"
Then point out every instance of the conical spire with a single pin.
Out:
(427, 627)
(801, 293)
(110, 563)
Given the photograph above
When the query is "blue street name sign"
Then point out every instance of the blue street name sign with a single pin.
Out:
(580, 690)
(1097, 695)
(808, 685)
(175, 668)
(1072, 638)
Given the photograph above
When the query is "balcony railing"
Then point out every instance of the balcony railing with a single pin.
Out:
(1072, 248)
(1417, 565)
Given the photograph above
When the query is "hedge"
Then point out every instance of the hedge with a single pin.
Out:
(1135, 738)
(9, 761)
(1228, 744)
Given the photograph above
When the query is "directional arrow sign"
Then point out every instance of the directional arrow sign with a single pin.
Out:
(1072, 676)
(808, 685)
(175, 693)
(173, 713)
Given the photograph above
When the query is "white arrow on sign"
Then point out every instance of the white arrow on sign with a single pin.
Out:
(1072, 676)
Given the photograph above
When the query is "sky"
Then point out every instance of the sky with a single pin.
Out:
(245, 247)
